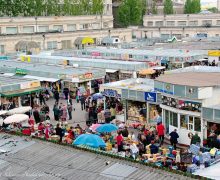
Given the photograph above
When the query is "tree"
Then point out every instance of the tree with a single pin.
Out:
(192, 7)
(187, 7)
(213, 10)
(97, 7)
(130, 12)
(168, 7)
(154, 7)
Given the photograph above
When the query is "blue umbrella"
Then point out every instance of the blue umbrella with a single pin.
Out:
(97, 96)
(107, 128)
(91, 140)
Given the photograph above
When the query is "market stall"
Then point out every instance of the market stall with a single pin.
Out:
(139, 101)
(14, 89)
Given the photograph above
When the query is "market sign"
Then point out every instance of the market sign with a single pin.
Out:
(21, 71)
(182, 104)
(88, 76)
(151, 96)
(111, 93)
(96, 54)
(35, 84)
(214, 53)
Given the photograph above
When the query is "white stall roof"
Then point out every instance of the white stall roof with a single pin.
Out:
(41, 78)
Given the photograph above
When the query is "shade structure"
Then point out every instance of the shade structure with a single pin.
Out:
(106, 128)
(16, 118)
(19, 110)
(147, 72)
(93, 127)
(91, 140)
(84, 40)
(3, 112)
(97, 96)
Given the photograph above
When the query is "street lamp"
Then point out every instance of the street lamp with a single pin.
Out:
(44, 37)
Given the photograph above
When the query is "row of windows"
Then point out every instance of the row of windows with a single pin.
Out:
(182, 23)
(70, 27)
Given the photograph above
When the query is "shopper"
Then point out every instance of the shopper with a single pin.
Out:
(173, 138)
(83, 102)
(196, 139)
(36, 115)
(56, 112)
(70, 109)
(160, 131)
(59, 132)
(119, 140)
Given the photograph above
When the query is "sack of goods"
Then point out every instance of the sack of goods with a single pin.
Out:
(194, 149)
(192, 168)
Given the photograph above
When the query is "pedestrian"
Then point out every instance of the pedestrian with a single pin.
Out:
(64, 113)
(56, 96)
(70, 109)
(36, 115)
(173, 138)
(47, 131)
(66, 93)
(160, 131)
(59, 132)
(41, 98)
(125, 132)
(56, 112)
(196, 139)
(119, 140)
(83, 102)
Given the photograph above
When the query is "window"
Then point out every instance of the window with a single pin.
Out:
(71, 27)
(170, 23)
(11, 30)
(150, 23)
(193, 23)
(217, 35)
(181, 23)
(105, 24)
(218, 22)
(83, 26)
(207, 22)
(184, 121)
(173, 119)
(197, 124)
(51, 45)
(28, 29)
(58, 27)
(96, 26)
(159, 23)
(190, 124)
(43, 28)
(2, 49)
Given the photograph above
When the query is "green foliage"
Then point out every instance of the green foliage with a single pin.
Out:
(168, 7)
(192, 6)
(130, 12)
(50, 7)
(213, 10)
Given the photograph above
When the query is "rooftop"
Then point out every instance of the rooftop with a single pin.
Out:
(197, 79)
(27, 159)
(5, 80)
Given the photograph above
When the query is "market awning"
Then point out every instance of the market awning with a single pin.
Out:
(84, 40)
(110, 40)
(41, 78)
(111, 70)
(20, 92)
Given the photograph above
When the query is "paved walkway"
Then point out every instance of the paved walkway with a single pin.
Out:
(78, 116)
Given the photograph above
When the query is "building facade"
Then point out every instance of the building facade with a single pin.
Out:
(184, 25)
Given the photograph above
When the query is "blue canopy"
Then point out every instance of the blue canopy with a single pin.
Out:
(91, 140)
(97, 96)
(107, 128)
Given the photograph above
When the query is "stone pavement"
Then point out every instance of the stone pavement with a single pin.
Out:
(78, 116)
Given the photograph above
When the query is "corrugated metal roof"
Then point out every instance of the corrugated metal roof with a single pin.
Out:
(43, 160)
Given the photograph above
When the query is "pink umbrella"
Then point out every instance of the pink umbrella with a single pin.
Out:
(93, 127)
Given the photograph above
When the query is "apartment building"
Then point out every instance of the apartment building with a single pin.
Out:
(25, 25)
(184, 25)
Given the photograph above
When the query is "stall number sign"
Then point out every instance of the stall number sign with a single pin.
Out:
(21, 71)
(88, 76)
(26, 58)
(151, 96)
(35, 84)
